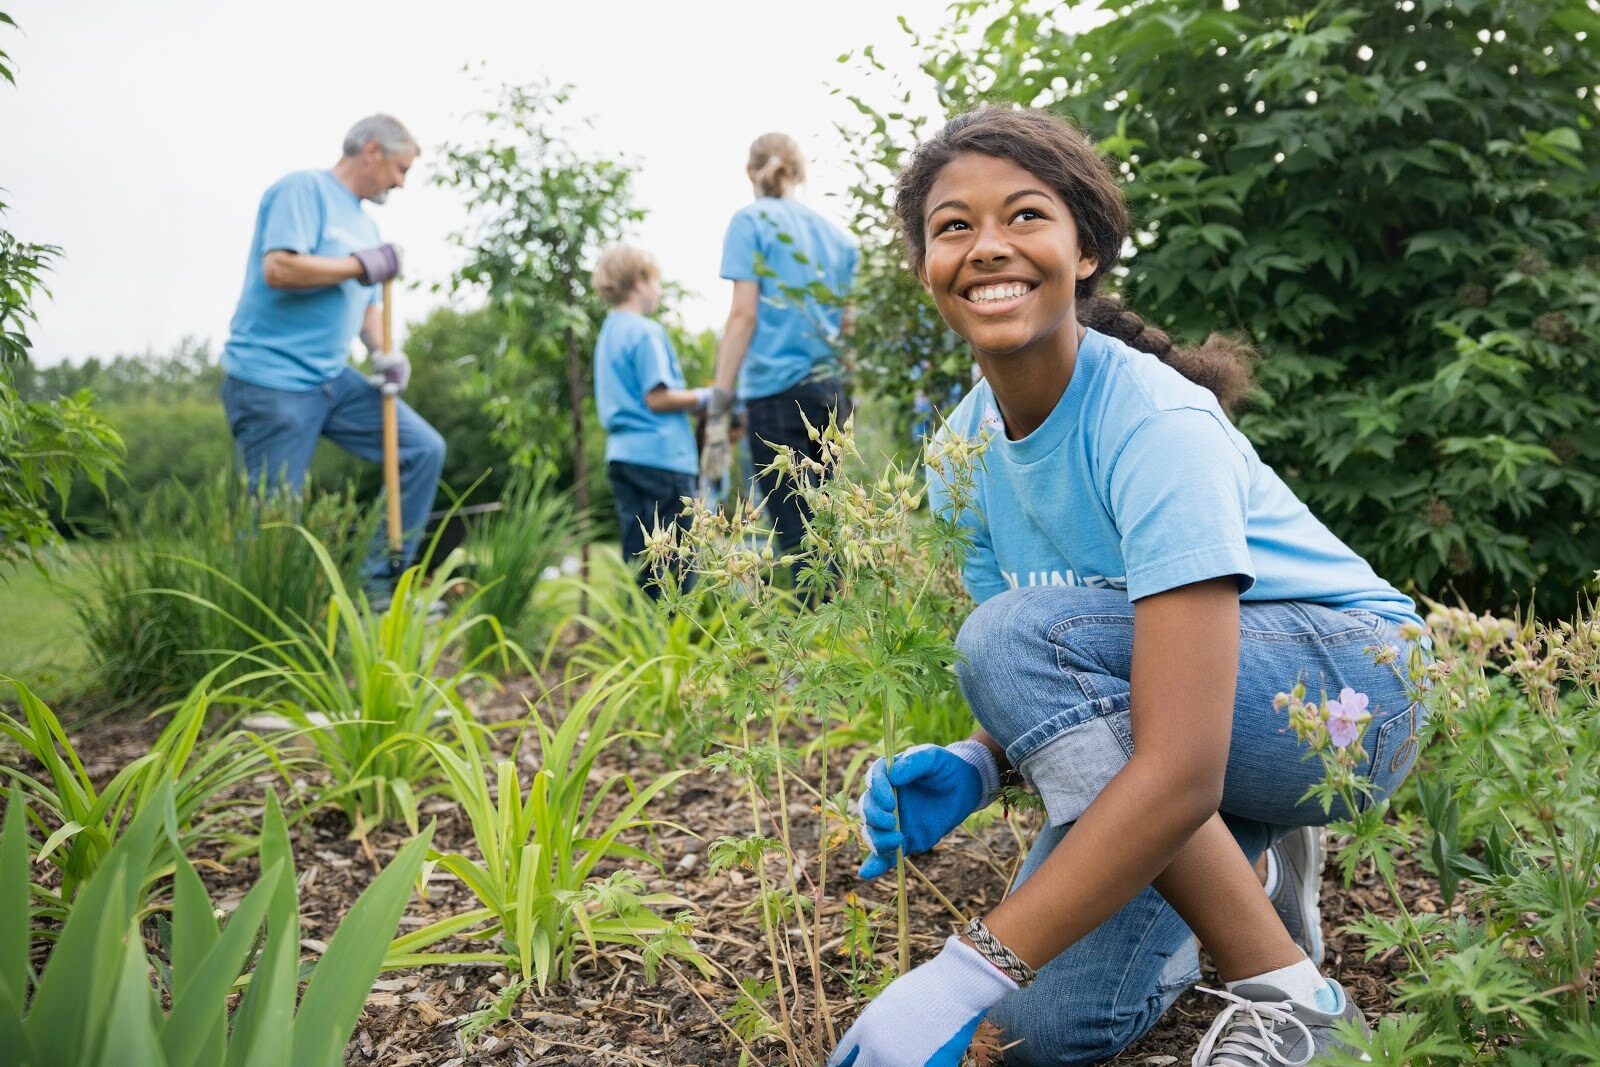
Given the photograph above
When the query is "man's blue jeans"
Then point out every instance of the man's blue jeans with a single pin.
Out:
(275, 432)
(1046, 674)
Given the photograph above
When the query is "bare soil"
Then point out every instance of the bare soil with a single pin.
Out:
(608, 1015)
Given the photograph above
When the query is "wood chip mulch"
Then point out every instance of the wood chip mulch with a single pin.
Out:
(607, 1015)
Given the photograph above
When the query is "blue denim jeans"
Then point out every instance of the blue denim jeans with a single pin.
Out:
(275, 432)
(647, 496)
(1046, 674)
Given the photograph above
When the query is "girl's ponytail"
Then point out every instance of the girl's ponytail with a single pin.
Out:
(776, 165)
(1221, 364)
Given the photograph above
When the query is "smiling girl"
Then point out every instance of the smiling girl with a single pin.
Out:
(1146, 585)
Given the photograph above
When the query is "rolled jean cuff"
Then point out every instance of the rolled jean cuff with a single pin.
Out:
(977, 756)
(1070, 767)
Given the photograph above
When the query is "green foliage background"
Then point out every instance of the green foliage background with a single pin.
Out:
(1398, 204)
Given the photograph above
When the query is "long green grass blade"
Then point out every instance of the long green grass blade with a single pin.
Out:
(75, 981)
(194, 936)
(263, 1025)
(13, 918)
(343, 979)
(130, 1035)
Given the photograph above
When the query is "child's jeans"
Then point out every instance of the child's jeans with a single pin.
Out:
(1046, 674)
(647, 496)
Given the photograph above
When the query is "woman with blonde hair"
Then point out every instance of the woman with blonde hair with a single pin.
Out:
(791, 271)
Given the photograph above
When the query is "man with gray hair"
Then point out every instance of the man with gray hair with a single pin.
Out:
(311, 285)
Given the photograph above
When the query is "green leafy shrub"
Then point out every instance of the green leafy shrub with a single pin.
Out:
(45, 444)
(539, 845)
(1398, 204)
(93, 1001)
(147, 634)
(1504, 815)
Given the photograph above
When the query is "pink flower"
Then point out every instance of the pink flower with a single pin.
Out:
(1346, 717)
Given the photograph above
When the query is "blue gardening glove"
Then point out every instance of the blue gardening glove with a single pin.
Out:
(927, 1016)
(937, 787)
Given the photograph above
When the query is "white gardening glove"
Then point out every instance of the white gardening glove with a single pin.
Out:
(927, 1016)
(389, 372)
(718, 401)
(714, 452)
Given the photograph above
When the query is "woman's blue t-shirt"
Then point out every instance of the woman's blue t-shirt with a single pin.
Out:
(1138, 481)
(632, 356)
(805, 266)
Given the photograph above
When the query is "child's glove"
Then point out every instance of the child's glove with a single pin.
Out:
(927, 1016)
(937, 789)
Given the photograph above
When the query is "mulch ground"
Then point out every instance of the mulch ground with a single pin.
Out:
(608, 1015)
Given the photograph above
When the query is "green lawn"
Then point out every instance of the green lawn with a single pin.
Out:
(38, 632)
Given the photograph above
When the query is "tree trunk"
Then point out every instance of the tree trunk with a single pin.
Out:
(580, 466)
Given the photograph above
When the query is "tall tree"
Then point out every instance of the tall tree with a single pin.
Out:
(44, 444)
(541, 210)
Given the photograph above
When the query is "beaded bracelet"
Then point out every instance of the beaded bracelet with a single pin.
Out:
(990, 948)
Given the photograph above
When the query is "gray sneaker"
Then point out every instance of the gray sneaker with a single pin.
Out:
(1299, 858)
(1259, 1028)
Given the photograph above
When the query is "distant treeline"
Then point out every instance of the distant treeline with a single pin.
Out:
(167, 409)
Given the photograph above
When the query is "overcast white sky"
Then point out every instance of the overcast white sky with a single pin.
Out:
(141, 135)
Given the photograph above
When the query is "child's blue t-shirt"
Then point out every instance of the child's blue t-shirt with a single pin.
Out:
(632, 356)
(787, 249)
(298, 339)
(1137, 481)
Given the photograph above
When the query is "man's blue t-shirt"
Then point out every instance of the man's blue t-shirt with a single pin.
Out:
(1137, 481)
(631, 357)
(789, 249)
(300, 338)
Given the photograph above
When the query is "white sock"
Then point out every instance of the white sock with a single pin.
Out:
(1271, 884)
(1300, 982)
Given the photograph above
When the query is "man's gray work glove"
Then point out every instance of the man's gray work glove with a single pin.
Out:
(379, 264)
(389, 372)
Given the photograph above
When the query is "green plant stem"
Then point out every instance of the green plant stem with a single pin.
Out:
(772, 941)
(1579, 997)
(902, 902)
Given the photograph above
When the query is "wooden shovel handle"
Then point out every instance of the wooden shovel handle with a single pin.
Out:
(391, 433)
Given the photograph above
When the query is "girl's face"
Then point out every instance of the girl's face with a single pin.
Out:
(1002, 257)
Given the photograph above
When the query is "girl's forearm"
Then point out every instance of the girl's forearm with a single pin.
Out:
(1122, 843)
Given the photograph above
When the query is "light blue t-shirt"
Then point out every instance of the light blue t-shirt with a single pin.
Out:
(632, 356)
(789, 249)
(1137, 481)
(300, 338)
